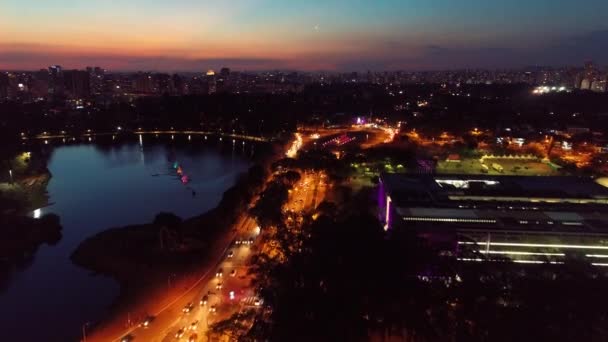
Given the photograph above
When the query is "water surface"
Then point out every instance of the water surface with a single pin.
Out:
(95, 187)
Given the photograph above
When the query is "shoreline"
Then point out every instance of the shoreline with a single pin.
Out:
(145, 267)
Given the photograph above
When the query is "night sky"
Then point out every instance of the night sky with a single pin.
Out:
(193, 35)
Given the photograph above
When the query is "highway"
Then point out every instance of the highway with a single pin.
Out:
(170, 318)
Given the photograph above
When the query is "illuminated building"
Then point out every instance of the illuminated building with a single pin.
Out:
(598, 86)
(211, 82)
(525, 219)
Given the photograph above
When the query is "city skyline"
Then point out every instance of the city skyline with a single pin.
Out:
(311, 36)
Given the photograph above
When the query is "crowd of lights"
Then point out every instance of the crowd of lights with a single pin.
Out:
(339, 141)
(391, 134)
(546, 90)
(533, 245)
(295, 146)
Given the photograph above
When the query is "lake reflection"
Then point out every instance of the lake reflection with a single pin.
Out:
(95, 187)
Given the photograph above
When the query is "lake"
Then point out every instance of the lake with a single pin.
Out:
(99, 185)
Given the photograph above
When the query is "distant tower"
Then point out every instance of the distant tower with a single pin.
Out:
(55, 80)
(590, 71)
(77, 83)
(211, 82)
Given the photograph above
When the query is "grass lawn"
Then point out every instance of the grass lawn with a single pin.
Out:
(511, 167)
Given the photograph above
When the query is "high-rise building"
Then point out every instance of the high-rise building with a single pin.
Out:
(96, 76)
(143, 83)
(77, 83)
(55, 80)
(178, 84)
(39, 85)
(590, 71)
(589, 76)
(163, 84)
(211, 82)
(222, 82)
(3, 86)
(599, 85)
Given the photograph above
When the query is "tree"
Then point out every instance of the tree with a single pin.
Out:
(268, 209)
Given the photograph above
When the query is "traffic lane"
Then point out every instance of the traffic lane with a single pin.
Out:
(218, 298)
(170, 321)
(200, 313)
(187, 295)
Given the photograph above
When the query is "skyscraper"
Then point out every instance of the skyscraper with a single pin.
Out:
(211, 82)
(77, 83)
(96, 76)
(55, 80)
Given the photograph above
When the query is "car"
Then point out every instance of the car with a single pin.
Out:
(219, 286)
(204, 300)
(192, 338)
(219, 273)
(233, 273)
(127, 338)
(180, 333)
(257, 302)
(188, 308)
(147, 321)
(230, 254)
(212, 308)
(194, 325)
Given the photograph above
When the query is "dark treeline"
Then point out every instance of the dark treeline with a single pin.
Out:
(270, 114)
(341, 277)
(263, 114)
(495, 107)
(351, 281)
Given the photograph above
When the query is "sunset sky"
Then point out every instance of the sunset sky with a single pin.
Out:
(191, 35)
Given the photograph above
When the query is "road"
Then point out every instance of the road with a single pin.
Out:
(374, 135)
(233, 296)
(65, 135)
(170, 318)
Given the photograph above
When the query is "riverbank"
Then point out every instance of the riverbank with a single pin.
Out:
(24, 190)
(20, 238)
